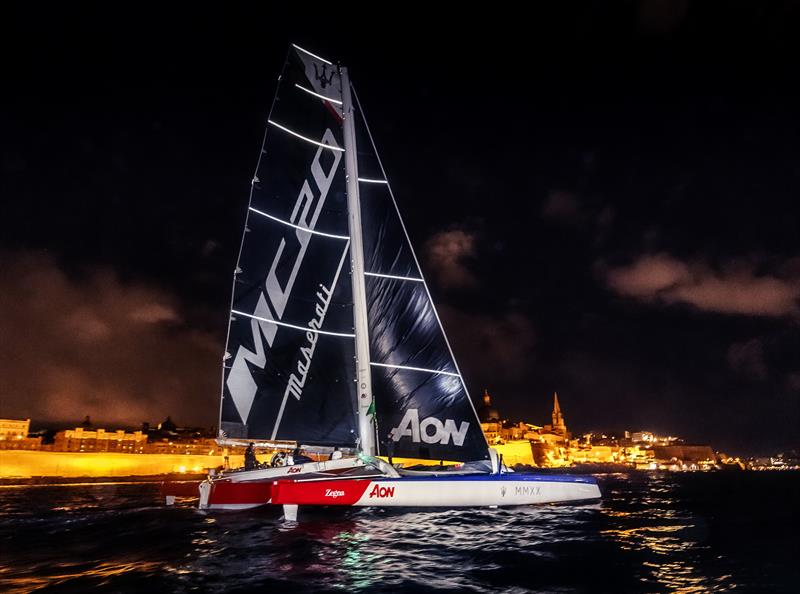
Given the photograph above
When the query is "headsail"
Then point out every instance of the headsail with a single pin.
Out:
(288, 371)
(420, 396)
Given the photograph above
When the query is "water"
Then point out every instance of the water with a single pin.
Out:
(651, 533)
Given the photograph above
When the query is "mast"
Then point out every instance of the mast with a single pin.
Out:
(366, 431)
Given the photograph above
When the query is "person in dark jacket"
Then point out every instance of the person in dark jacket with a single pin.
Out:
(250, 460)
(390, 446)
(298, 458)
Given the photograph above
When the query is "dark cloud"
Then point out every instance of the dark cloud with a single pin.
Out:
(93, 344)
(747, 358)
(447, 254)
(561, 206)
(490, 348)
(661, 16)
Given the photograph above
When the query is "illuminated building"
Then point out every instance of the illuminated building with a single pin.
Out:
(512, 442)
(490, 419)
(645, 436)
(14, 435)
(86, 451)
(14, 429)
(552, 445)
(184, 446)
(81, 439)
(486, 412)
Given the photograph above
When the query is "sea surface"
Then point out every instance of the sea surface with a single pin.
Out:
(701, 532)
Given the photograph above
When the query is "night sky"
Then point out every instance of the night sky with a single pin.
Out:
(605, 202)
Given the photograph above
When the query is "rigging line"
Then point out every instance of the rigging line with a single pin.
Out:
(346, 251)
(436, 371)
(413, 253)
(312, 55)
(407, 278)
(303, 328)
(326, 478)
(365, 180)
(244, 229)
(306, 229)
(300, 136)
(323, 97)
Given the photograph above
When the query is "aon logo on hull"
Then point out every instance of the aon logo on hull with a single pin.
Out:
(430, 429)
(381, 492)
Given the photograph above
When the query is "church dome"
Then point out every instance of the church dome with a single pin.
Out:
(486, 412)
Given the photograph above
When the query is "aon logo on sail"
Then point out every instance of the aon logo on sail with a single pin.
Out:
(430, 429)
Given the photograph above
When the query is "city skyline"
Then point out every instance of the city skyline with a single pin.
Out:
(585, 429)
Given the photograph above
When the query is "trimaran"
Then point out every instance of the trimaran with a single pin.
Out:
(334, 340)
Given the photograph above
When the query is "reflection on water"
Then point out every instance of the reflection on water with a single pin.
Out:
(654, 523)
(661, 533)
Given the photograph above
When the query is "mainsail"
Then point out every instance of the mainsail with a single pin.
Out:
(288, 371)
(423, 409)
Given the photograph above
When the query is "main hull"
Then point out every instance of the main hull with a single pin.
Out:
(458, 491)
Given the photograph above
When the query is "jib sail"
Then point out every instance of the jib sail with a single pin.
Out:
(422, 406)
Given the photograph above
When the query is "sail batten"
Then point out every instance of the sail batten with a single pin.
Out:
(304, 229)
(315, 56)
(306, 138)
(323, 97)
(285, 325)
(405, 278)
(406, 367)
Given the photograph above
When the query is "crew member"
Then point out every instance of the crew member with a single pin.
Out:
(250, 460)
(298, 458)
(390, 446)
(335, 454)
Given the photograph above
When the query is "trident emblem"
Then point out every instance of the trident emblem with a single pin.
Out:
(323, 81)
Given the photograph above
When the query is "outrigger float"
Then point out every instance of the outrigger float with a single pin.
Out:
(334, 340)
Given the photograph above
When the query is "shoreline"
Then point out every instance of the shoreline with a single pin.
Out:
(55, 481)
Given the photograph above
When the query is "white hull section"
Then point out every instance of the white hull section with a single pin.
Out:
(475, 493)
(466, 491)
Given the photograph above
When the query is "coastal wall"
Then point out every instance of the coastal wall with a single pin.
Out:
(687, 453)
(26, 464)
(516, 452)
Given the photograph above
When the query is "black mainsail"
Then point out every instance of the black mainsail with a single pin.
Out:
(288, 372)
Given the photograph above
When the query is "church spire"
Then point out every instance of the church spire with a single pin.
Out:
(558, 418)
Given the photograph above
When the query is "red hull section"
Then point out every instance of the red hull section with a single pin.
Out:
(230, 493)
(341, 492)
